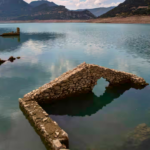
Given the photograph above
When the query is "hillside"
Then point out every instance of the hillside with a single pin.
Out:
(11, 8)
(45, 12)
(98, 11)
(129, 8)
(38, 3)
(20, 10)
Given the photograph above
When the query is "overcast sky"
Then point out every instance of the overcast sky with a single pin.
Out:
(79, 4)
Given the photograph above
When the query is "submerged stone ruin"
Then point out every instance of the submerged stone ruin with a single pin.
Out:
(17, 33)
(138, 139)
(80, 80)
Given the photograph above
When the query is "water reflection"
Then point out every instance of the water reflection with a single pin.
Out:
(57, 48)
(24, 37)
(138, 139)
(11, 59)
(12, 37)
(140, 46)
(86, 104)
(15, 131)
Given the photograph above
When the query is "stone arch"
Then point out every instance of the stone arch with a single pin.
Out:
(83, 105)
(82, 79)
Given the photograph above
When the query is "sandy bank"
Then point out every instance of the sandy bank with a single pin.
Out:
(130, 20)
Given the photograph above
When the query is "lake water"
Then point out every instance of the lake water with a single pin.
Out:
(96, 121)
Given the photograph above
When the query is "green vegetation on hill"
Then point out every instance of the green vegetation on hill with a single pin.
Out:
(129, 8)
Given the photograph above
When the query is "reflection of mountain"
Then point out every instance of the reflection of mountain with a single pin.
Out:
(14, 41)
(87, 104)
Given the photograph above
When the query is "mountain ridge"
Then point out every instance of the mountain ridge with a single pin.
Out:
(20, 10)
(38, 3)
(98, 11)
(129, 8)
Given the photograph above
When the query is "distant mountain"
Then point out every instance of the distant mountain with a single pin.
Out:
(98, 11)
(11, 8)
(45, 12)
(129, 8)
(38, 3)
(20, 10)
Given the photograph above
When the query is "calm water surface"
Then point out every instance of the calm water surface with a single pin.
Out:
(96, 121)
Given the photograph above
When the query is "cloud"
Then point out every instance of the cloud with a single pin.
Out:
(63, 65)
(82, 4)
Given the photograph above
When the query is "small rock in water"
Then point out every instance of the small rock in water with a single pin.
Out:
(11, 59)
(2, 61)
(18, 57)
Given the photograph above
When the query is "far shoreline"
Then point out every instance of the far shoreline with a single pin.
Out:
(118, 20)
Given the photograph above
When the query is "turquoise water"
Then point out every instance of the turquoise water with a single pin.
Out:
(96, 121)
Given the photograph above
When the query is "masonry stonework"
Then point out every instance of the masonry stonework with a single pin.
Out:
(51, 134)
(82, 79)
(17, 33)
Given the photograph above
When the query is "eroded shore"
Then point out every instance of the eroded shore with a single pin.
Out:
(127, 20)
(124, 20)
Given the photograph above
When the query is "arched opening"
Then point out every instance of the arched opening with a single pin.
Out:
(99, 89)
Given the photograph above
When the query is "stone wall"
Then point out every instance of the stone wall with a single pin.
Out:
(17, 33)
(82, 79)
(115, 77)
(51, 134)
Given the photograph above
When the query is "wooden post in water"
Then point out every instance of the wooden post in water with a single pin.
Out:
(18, 30)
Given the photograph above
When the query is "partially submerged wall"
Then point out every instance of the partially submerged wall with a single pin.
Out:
(51, 134)
(17, 33)
(115, 77)
(82, 79)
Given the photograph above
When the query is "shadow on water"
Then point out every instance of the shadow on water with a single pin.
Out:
(89, 104)
(24, 37)
(86, 104)
(13, 37)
